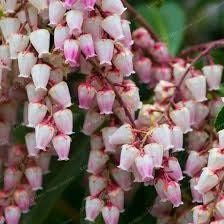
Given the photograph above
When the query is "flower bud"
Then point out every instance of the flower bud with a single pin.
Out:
(40, 75)
(60, 94)
(44, 134)
(97, 161)
(207, 181)
(106, 133)
(64, 121)
(128, 155)
(12, 214)
(181, 118)
(104, 51)
(162, 135)
(93, 208)
(177, 139)
(105, 100)
(9, 26)
(215, 159)
(123, 62)
(116, 196)
(143, 68)
(22, 199)
(197, 87)
(71, 52)
(201, 214)
(122, 178)
(110, 214)
(61, 144)
(213, 74)
(56, 12)
(144, 165)
(123, 135)
(31, 144)
(96, 184)
(195, 162)
(74, 19)
(112, 26)
(196, 196)
(142, 38)
(93, 120)
(173, 193)
(17, 43)
(40, 39)
(36, 113)
(34, 177)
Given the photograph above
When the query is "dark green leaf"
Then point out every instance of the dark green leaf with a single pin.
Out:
(219, 121)
(62, 178)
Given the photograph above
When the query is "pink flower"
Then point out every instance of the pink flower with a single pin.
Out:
(201, 214)
(11, 178)
(105, 100)
(56, 12)
(177, 139)
(74, 19)
(116, 196)
(96, 184)
(69, 3)
(22, 199)
(196, 196)
(115, 7)
(34, 177)
(88, 4)
(215, 159)
(87, 45)
(110, 214)
(61, 33)
(31, 144)
(71, 52)
(173, 169)
(142, 38)
(106, 133)
(35, 95)
(12, 214)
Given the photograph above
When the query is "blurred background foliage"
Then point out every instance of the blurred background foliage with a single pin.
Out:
(180, 23)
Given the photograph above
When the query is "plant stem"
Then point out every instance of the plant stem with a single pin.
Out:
(140, 19)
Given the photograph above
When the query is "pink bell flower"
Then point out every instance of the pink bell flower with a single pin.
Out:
(34, 177)
(31, 144)
(177, 139)
(105, 100)
(22, 199)
(116, 196)
(12, 214)
(96, 184)
(56, 12)
(196, 196)
(71, 52)
(61, 33)
(35, 95)
(115, 7)
(87, 45)
(106, 133)
(88, 4)
(110, 214)
(74, 19)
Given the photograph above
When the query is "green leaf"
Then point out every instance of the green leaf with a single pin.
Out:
(219, 121)
(168, 22)
(62, 176)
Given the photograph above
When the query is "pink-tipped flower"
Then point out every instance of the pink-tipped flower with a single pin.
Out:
(143, 68)
(36, 113)
(162, 135)
(115, 7)
(93, 120)
(110, 214)
(127, 41)
(30, 140)
(74, 19)
(61, 33)
(92, 25)
(123, 135)
(106, 133)
(105, 100)
(62, 144)
(207, 181)
(155, 151)
(71, 52)
(213, 74)
(97, 161)
(201, 214)
(96, 184)
(22, 199)
(56, 12)
(26, 60)
(160, 51)
(116, 196)
(216, 159)
(44, 134)
(34, 177)
(181, 117)
(173, 169)
(56, 76)
(93, 208)
(144, 165)
(43, 161)
(197, 87)
(64, 121)
(87, 45)
(9, 26)
(122, 178)
(123, 62)
(12, 214)
(9, 6)
(177, 139)
(40, 75)
(195, 162)
(12, 177)
(128, 155)
(160, 187)
(60, 94)
(104, 51)
(17, 43)
(88, 4)
(86, 94)
(5, 60)
(173, 193)
(221, 138)
(40, 39)
(142, 38)
(69, 3)
(196, 196)
(112, 25)
(35, 95)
